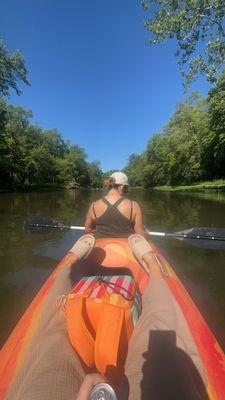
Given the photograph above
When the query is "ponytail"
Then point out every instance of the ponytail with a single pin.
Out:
(111, 183)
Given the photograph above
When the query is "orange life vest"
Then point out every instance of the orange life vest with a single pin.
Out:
(101, 312)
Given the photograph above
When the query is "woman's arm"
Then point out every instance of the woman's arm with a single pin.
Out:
(89, 223)
(138, 222)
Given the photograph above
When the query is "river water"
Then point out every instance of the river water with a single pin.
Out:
(26, 260)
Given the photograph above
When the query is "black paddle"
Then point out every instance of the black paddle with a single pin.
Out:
(202, 237)
(43, 225)
(209, 238)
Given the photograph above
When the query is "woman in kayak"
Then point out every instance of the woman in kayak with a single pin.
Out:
(113, 215)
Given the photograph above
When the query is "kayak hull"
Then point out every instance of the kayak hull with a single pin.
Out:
(113, 253)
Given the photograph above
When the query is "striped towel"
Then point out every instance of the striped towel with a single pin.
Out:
(123, 285)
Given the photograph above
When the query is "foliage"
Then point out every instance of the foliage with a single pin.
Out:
(198, 27)
(191, 147)
(107, 174)
(175, 155)
(12, 70)
(134, 169)
(95, 174)
(186, 131)
(215, 142)
(31, 157)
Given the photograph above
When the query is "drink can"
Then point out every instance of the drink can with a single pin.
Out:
(103, 391)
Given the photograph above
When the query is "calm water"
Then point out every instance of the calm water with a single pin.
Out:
(26, 260)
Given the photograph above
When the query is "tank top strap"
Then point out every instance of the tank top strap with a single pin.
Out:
(131, 210)
(114, 205)
(106, 202)
(117, 202)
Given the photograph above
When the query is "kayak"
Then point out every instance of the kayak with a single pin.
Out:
(37, 349)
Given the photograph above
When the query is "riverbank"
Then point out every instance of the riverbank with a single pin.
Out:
(218, 185)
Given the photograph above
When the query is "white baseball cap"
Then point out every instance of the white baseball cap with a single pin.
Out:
(120, 178)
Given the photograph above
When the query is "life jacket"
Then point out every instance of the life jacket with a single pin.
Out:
(101, 312)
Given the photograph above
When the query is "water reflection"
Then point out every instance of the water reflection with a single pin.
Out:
(26, 260)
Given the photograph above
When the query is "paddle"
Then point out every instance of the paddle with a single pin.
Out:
(203, 237)
(213, 238)
(43, 225)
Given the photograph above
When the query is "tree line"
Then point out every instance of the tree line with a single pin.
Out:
(191, 146)
(32, 157)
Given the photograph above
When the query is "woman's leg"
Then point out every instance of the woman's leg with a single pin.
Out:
(145, 255)
(161, 334)
(81, 249)
(153, 265)
(71, 259)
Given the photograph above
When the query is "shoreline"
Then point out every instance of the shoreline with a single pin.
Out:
(218, 185)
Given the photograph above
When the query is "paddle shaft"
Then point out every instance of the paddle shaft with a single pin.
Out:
(158, 234)
(57, 226)
(186, 236)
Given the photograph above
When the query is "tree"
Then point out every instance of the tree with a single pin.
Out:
(177, 154)
(3, 112)
(215, 142)
(134, 169)
(12, 139)
(155, 171)
(95, 174)
(31, 157)
(78, 165)
(186, 131)
(198, 27)
(12, 70)
(107, 174)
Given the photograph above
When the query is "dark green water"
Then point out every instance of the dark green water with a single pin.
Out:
(26, 260)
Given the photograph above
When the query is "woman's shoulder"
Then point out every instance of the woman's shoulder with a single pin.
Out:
(98, 202)
(131, 203)
(136, 206)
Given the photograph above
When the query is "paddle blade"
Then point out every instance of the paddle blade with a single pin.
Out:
(41, 225)
(208, 238)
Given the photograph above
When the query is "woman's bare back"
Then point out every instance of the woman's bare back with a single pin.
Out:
(126, 207)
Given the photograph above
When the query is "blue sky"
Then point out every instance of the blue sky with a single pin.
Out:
(92, 75)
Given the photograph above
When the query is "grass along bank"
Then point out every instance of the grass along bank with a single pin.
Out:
(218, 185)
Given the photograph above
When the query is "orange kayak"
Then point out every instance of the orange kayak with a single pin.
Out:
(17, 356)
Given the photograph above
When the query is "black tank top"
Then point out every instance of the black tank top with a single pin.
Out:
(112, 223)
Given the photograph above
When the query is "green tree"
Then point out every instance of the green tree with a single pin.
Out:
(12, 139)
(78, 165)
(95, 174)
(33, 157)
(155, 172)
(215, 142)
(107, 174)
(3, 112)
(198, 27)
(134, 169)
(186, 132)
(177, 155)
(12, 70)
